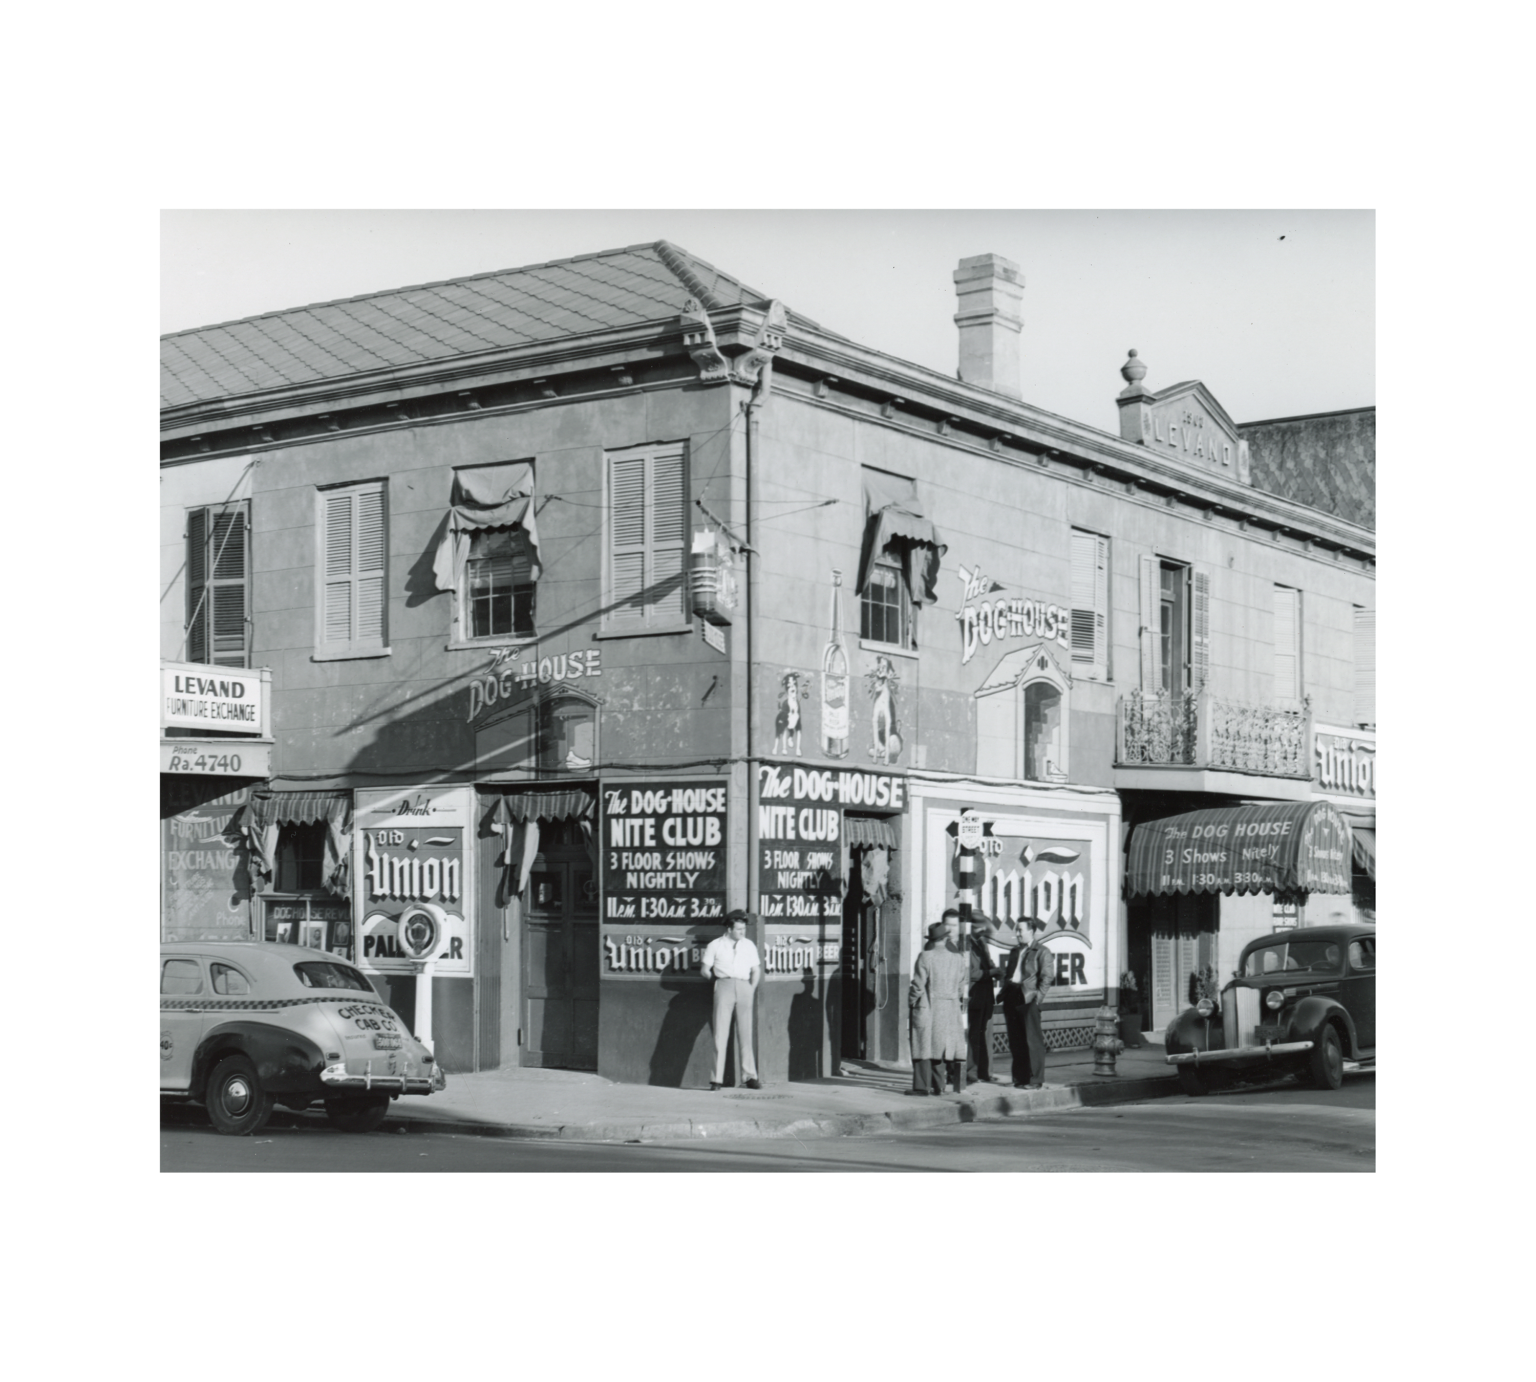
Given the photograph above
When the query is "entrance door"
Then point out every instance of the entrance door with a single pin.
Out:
(858, 988)
(560, 953)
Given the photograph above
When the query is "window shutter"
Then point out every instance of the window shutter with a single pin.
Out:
(627, 530)
(1101, 606)
(1365, 666)
(669, 538)
(1082, 597)
(338, 568)
(369, 572)
(1287, 661)
(1200, 628)
(197, 580)
(1151, 591)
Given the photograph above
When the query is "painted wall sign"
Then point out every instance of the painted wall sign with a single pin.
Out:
(664, 851)
(216, 757)
(1184, 425)
(982, 620)
(196, 696)
(1345, 763)
(411, 849)
(781, 786)
(205, 887)
(506, 678)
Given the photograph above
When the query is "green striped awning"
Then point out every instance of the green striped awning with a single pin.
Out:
(1299, 846)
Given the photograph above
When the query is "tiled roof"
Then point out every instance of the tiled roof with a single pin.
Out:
(1326, 461)
(437, 321)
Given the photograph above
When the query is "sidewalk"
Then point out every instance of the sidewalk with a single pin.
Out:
(865, 1098)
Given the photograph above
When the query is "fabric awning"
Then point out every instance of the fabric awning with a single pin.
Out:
(492, 496)
(550, 806)
(301, 808)
(1299, 846)
(1364, 841)
(894, 519)
(861, 830)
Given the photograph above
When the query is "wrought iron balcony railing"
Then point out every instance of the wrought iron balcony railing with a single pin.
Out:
(1197, 729)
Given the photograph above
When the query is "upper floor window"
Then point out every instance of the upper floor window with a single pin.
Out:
(1365, 667)
(899, 563)
(647, 540)
(885, 608)
(1287, 643)
(1175, 627)
(489, 553)
(218, 585)
(1090, 604)
(353, 571)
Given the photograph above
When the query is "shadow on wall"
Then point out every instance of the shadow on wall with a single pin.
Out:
(688, 1010)
(805, 1031)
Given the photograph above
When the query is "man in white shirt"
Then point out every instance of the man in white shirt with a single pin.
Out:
(732, 962)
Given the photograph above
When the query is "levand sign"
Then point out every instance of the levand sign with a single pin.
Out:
(195, 696)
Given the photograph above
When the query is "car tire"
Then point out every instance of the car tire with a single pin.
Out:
(237, 1104)
(1327, 1059)
(1191, 1081)
(362, 1114)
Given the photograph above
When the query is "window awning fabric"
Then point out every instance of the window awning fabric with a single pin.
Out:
(301, 808)
(550, 806)
(1275, 847)
(1364, 840)
(493, 496)
(860, 830)
(267, 812)
(894, 520)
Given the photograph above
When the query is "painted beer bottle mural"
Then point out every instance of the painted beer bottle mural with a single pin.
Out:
(834, 681)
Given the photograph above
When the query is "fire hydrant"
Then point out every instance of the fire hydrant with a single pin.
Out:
(1106, 1043)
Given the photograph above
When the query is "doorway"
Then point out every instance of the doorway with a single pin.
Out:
(860, 917)
(560, 959)
(1169, 939)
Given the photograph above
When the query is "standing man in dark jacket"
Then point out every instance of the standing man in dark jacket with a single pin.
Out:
(1026, 978)
(979, 1001)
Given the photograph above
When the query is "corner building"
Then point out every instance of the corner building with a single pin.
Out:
(600, 596)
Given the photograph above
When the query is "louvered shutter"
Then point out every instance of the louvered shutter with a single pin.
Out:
(627, 540)
(1200, 629)
(197, 582)
(1082, 597)
(1365, 666)
(355, 580)
(1151, 623)
(338, 569)
(669, 539)
(1287, 637)
(369, 573)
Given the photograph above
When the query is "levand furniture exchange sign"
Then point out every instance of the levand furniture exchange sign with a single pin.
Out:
(195, 696)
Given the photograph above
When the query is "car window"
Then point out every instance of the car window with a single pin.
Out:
(181, 977)
(1362, 954)
(321, 974)
(227, 980)
(1294, 957)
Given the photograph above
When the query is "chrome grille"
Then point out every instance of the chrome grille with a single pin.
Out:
(1241, 1017)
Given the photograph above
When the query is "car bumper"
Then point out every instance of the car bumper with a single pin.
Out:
(337, 1078)
(1243, 1053)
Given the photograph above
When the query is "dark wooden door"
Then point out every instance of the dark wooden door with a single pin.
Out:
(560, 953)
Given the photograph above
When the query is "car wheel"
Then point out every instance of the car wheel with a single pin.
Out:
(1191, 1081)
(1328, 1060)
(357, 1115)
(237, 1103)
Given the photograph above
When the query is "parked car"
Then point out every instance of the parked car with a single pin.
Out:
(245, 1026)
(1303, 1000)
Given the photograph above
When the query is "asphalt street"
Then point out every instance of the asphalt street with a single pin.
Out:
(1282, 1127)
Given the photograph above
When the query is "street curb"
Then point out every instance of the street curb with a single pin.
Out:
(942, 1111)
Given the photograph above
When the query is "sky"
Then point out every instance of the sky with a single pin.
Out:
(1273, 310)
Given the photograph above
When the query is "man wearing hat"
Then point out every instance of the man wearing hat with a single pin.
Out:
(983, 971)
(1026, 980)
(732, 962)
(936, 1007)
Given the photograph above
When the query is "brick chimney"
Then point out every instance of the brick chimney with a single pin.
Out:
(991, 294)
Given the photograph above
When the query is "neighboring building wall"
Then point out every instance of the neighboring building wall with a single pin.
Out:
(1325, 460)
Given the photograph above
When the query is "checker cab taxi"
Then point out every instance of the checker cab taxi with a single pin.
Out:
(248, 1025)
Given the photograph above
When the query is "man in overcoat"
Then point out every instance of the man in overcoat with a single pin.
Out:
(936, 1008)
(1027, 974)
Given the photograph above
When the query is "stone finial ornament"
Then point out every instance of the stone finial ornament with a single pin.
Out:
(1133, 371)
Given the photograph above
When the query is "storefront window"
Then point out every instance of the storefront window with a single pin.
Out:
(300, 857)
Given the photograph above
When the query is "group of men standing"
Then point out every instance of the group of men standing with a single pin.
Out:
(950, 1004)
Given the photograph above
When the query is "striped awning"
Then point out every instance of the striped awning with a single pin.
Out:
(861, 830)
(301, 808)
(1364, 840)
(1275, 847)
(551, 806)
